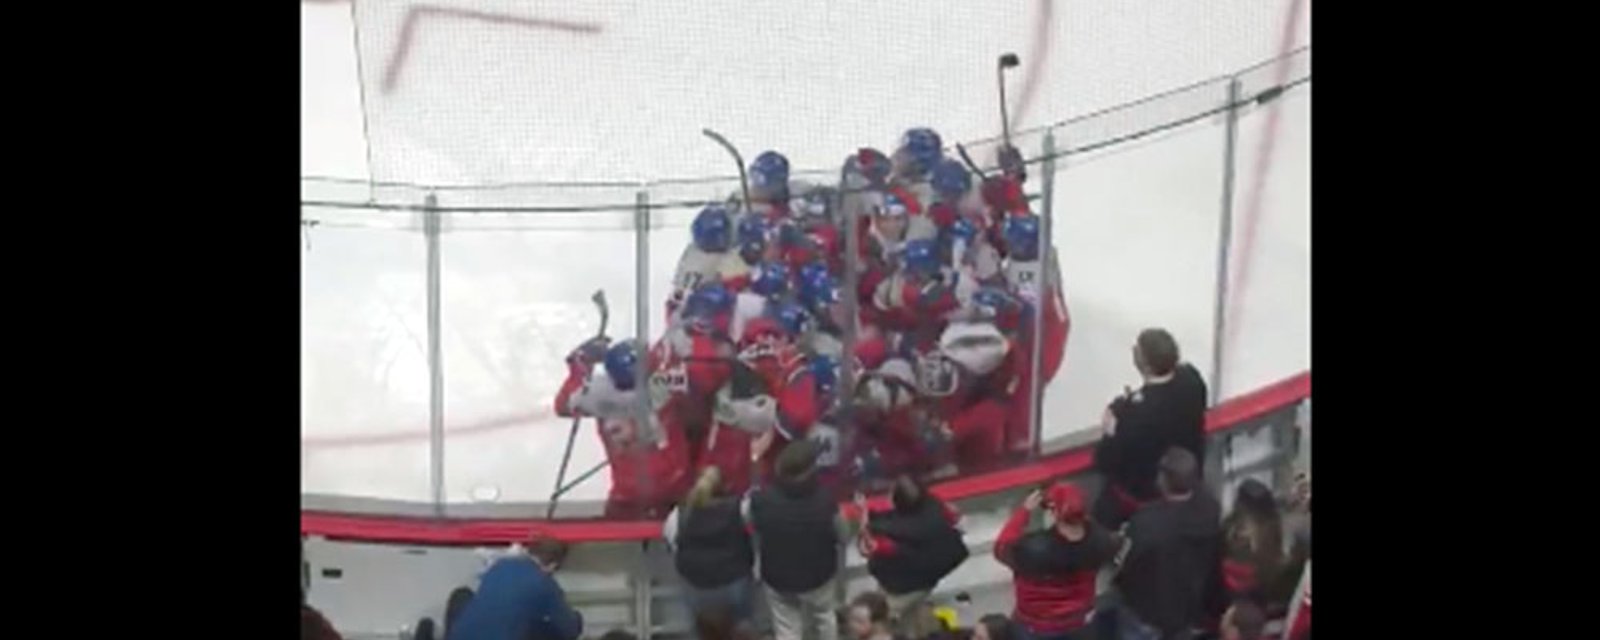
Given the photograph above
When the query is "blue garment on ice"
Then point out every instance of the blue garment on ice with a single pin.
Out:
(517, 600)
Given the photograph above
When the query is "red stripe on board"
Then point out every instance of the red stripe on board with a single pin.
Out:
(505, 531)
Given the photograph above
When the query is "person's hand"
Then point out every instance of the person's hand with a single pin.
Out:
(865, 545)
(1034, 500)
(591, 351)
(1108, 422)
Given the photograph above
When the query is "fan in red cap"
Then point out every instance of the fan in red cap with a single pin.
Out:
(1054, 568)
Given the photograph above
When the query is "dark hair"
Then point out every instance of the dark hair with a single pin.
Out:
(998, 626)
(717, 622)
(797, 460)
(876, 604)
(908, 494)
(1255, 527)
(1158, 350)
(618, 634)
(547, 550)
(1249, 619)
(1180, 472)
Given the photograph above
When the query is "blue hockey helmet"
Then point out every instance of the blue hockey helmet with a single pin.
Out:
(792, 317)
(1021, 233)
(708, 301)
(950, 179)
(818, 288)
(964, 228)
(824, 373)
(710, 228)
(770, 171)
(924, 146)
(922, 257)
(752, 228)
(771, 278)
(622, 363)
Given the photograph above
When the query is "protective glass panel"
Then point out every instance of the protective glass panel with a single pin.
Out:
(520, 269)
(363, 355)
(1268, 331)
(1137, 204)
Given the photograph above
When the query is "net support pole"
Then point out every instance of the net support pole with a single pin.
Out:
(430, 234)
(642, 595)
(641, 327)
(1219, 311)
(1045, 290)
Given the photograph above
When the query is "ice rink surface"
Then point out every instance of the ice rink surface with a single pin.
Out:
(619, 91)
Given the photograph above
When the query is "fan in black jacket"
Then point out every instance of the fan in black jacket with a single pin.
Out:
(1169, 410)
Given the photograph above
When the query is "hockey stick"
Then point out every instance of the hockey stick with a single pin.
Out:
(599, 300)
(961, 149)
(1006, 61)
(744, 179)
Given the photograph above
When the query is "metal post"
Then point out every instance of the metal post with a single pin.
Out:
(641, 319)
(642, 591)
(1299, 600)
(851, 211)
(430, 234)
(1224, 243)
(1046, 289)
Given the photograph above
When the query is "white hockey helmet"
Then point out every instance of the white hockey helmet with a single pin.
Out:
(978, 347)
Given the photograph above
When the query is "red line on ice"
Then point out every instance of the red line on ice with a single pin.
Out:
(1251, 217)
(414, 16)
(419, 435)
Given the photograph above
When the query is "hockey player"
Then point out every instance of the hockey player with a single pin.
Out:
(769, 185)
(811, 234)
(692, 360)
(707, 259)
(968, 383)
(770, 398)
(949, 184)
(919, 152)
(1031, 282)
(890, 425)
(767, 285)
(918, 295)
(1035, 276)
(650, 458)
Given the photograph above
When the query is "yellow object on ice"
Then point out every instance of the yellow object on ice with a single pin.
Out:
(949, 616)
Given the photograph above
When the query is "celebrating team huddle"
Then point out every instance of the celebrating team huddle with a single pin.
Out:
(947, 284)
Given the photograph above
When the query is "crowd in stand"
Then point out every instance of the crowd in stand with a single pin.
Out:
(1152, 556)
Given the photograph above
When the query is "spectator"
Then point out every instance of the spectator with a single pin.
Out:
(313, 626)
(1171, 555)
(994, 626)
(1243, 621)
(1054, 569)
(1169, 410)
(518, 598)
(455, 605)
(712, 549)
(717, 622)
(1254, 565)
(799, 533)
(909, 549)
(868, 617)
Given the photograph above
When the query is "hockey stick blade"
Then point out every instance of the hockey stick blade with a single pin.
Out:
(599, 300)
(965, 157)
